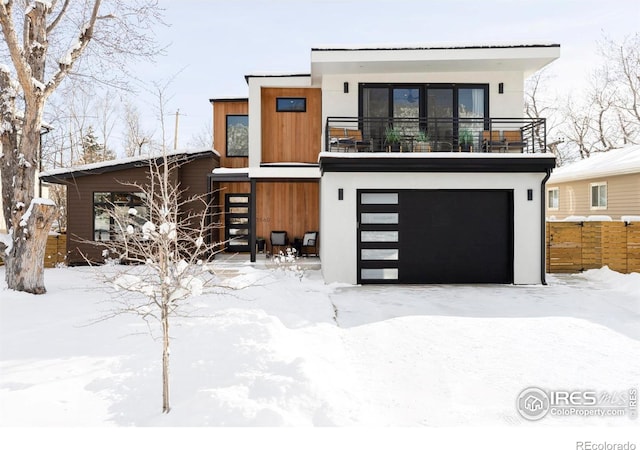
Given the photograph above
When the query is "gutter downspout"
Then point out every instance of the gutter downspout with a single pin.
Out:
(543, 230)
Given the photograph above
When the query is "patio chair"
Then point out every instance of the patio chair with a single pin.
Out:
(491, 141)
(310, 243)
(278, 239)
(513, 141)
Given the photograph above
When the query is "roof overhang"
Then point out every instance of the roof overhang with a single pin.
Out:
(526, 58)
(60, 176)
(270, 172)
(437, 162)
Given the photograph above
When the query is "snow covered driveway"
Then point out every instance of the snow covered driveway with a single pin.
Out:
(283, 351)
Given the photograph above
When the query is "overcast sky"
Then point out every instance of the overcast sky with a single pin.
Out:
(214, 43)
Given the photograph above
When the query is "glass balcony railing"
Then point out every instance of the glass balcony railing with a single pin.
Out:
(489, 135)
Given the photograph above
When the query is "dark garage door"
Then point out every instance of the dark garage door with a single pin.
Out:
(436, 236)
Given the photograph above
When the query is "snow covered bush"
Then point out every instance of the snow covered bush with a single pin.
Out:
(287, 262)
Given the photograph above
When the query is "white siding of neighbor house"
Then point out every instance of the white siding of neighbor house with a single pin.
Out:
(338, 221)
(623, 197)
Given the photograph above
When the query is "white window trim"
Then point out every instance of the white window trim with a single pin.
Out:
(598, 208)
(557, 207)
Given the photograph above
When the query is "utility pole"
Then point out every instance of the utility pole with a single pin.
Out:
(175, 137)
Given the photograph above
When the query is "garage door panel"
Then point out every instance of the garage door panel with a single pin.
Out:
(443, 236)
(455, 237)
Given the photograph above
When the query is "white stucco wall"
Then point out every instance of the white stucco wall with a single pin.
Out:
(335, 103)
(338, 221)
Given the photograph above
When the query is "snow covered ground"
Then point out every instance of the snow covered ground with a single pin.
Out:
(283, 351)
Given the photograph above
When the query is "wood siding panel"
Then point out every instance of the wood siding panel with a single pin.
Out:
(292, 206)
(291, 136)
(623, 197)
(220, 111)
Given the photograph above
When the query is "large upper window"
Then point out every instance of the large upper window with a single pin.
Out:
(553, 198)
(237, 135)
(449, 114)
(113, 212)
(599, 195)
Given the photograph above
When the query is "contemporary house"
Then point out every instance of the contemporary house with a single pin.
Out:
(413, 164)
(606, 184)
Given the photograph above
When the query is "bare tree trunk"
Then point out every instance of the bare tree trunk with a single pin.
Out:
(165, 358)
(25, 269)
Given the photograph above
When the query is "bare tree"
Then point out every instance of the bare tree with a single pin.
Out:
(204, 137)
(623, 70)
(37, 41)
(540, 104)
(137, 140)
(608, 116)
(169, 241)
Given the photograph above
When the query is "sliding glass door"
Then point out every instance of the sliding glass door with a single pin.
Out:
(452, 115)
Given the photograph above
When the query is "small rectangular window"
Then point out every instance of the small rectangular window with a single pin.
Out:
(379, 274)
(379, 218)
(598, 195)
(379, 236)
(553, 198)
(379, 254)
(379, 198)
(237, 135)
(291, 104)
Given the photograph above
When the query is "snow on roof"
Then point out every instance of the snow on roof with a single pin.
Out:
(282, 171)
(436, 155)
(437, 46)
(619, 161)
(113, 163)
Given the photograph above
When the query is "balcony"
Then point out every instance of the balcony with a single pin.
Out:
(400, 135)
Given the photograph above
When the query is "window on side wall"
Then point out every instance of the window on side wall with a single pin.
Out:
(291, 104)
(553, 198)
(598, 195)
(115, 212)
(237, 135)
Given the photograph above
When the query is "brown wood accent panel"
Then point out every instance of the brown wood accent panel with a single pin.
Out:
(220, 111)
(293, 206)
(291, 136)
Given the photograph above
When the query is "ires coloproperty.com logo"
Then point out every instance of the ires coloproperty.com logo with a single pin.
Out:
(535, 403)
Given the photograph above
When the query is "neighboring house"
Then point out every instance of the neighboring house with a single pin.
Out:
(606, 184)
(92, 188)
(415, 164)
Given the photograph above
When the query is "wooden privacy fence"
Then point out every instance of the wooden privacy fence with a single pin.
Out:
(576, 246)
(56, 252)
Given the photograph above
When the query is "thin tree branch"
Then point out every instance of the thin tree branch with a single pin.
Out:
(18, 58)
(56, 21)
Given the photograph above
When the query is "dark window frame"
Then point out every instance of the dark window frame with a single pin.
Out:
(226, 138)
(282, 107)
(132, 202)
(423, 97)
